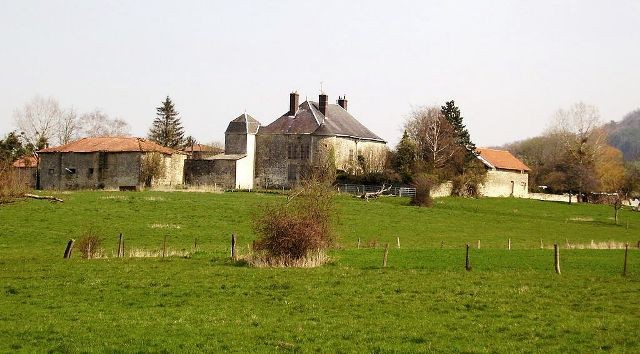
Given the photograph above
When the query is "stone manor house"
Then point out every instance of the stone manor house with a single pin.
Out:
(276, 155)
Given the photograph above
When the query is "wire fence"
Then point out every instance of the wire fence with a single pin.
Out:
(358, 189)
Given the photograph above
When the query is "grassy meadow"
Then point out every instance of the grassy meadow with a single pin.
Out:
(423, 301)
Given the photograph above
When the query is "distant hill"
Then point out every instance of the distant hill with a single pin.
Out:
(625, 135)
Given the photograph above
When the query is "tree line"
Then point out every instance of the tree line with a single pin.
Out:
(575, 155)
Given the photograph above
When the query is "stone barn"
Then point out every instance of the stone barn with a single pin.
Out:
(108, 162)
(506, 175)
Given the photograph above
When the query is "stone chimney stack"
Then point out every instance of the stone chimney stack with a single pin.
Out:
(293, 103)
(323, 102)
(342, 102)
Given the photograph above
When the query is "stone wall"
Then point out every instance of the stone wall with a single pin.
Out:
(173, 170)
(347, 149)
(210, 172)
(504, 183)
(278, 166)
(235, 143)
(89, 170)
(280, 159)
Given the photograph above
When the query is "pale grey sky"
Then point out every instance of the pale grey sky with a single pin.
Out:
(508, 64)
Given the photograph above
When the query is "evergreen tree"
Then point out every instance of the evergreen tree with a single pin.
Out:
(167, 129)
(452, 113)
(405, 156)
(13, 148)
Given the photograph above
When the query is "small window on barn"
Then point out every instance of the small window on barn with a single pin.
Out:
(350, 154)
(51, 171)
(90, 172)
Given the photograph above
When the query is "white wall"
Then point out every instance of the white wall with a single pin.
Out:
(498, 183)
(245, 166)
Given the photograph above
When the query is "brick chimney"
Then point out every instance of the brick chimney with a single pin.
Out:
(342, 102)
(293, 103)
(323, 102)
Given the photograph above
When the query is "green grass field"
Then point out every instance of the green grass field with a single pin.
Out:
(423, 301)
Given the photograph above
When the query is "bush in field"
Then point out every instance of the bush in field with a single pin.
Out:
(13, 184)
(90, 245)
(300, 228)
(423, 184)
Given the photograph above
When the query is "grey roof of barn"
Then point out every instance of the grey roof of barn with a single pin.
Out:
(309, 120)
(243, 124)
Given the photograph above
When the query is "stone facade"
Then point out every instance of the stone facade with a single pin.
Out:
(68, 170)
(210, 173)
(505, 183)
(282, 158)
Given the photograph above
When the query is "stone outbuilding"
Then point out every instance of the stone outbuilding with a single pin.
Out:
(235, 167)
(506, 175)
(109, 162)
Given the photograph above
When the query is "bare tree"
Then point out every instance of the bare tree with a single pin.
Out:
(434, 136)
(68, 126)
(578, 128)
(39, 119)
(98, 123)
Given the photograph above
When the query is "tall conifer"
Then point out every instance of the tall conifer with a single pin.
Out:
(167, 129)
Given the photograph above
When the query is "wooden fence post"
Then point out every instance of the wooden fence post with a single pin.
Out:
(69, 249)
(556, 257)
(164, 246)
(120, 247)
(195, 244)
(478, 244)
(386, 254)
(541, 244)
(442, 244)
(358, 242)
(467, 263)
(509, 245)
(624, 268)
(398, 242)
(233, 247)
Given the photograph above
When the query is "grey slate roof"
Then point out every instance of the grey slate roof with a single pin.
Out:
(243, 124)
(309, 120)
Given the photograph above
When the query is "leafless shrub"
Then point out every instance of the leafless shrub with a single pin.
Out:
(291, 231)
(423, 184)
(13, 184)
(90, 244)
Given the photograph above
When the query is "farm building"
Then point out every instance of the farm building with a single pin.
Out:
(109, 162)
(506, 175)
(27, 169)
(276, 155)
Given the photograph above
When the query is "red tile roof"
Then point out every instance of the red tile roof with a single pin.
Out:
(111, 144)
(502, 159)
(27, 161)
